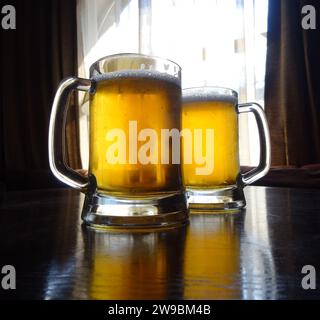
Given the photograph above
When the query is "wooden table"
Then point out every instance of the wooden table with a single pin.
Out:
(256, 254)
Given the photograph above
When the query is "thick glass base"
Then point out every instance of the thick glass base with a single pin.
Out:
(229, 199)
(166, 211)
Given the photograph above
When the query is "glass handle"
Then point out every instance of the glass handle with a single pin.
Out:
(265, 153)
(56, 143)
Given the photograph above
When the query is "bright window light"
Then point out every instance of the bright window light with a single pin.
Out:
(216, 42)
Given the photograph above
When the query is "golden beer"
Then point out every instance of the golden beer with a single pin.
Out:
(203, 110)
(134, 102)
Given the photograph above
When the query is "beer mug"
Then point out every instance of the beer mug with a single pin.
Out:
(210, 128)
(131, 182)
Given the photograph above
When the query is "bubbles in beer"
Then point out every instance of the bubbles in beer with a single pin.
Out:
(209, 94)
(142, 74)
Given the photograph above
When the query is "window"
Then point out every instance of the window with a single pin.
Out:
(216, 42)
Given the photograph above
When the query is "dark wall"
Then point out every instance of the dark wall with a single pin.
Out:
(33, 60)
(292, 87)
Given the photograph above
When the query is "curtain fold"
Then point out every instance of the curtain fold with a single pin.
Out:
(292, 85)
(34, 58)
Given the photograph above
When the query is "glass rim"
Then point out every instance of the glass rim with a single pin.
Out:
(132, 54)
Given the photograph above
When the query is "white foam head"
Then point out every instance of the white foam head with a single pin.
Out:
(207, 94)
(142, 74)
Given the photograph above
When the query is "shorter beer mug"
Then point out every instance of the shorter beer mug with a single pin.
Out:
(132, 182)
(211, 169)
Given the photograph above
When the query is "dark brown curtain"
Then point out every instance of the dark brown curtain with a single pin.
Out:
(292, 92)
(34, 58)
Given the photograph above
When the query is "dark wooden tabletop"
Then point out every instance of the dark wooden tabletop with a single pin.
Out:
(256, 254)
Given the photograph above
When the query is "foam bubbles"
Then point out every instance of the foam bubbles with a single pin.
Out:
(142, 74)
(206, 94)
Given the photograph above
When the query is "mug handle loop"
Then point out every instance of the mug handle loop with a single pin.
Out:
(265, 149)
(57, 125)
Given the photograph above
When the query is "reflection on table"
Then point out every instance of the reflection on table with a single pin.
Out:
(255, 254)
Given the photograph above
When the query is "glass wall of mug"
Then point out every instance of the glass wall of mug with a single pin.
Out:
(211, 168)
(135, 100)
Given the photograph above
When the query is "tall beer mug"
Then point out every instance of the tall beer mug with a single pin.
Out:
(211, 168)
(135, 102)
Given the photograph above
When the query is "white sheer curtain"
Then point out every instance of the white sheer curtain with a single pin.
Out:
(216, 42)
